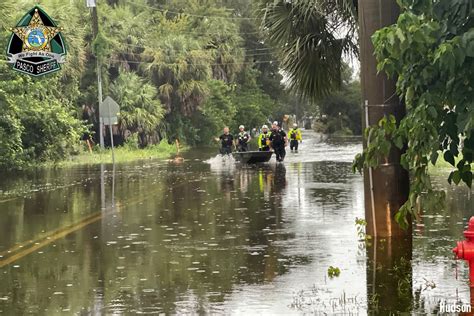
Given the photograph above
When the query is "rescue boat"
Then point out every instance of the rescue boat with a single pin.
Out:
(252, 156)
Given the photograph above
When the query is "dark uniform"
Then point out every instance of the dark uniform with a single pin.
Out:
(227, 141)
(243, 139)
(278, 143)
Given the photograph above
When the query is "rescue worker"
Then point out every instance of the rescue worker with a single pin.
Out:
(278, 141)
(242, 139)
(227, 140)
(295, 137)
(264, 139)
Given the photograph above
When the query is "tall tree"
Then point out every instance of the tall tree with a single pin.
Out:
(311, 37)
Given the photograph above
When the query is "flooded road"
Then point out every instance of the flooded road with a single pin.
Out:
(212, 236)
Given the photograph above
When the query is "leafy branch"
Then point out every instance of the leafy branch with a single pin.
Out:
(431, 52)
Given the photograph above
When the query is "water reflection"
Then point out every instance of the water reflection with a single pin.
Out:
(389, 275)
(210, 236)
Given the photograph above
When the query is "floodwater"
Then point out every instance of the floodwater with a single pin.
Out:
(212, 236)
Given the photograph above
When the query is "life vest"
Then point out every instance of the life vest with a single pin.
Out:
(243, 138)
(263, 140)
(295, 134)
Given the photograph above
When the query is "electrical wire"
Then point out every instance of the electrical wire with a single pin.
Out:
(269, 49)
(192, 64)
(190, 14)
(171, 56)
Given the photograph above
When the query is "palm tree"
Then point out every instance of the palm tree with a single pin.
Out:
(312, 37)
(141, 111)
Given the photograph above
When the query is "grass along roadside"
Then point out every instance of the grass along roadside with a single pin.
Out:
(122, 154)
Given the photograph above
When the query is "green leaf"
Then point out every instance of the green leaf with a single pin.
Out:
(448, 157)
(432, 112)
(467, 178)
(409, 95)
(456, 177)
(468, 41)
(398, 141)
(434, 158)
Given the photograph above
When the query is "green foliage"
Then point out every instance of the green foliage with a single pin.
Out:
(360, 225)
(36, 123)
(254, 107)
(342, 110)
(333, 272)
(175, 74)
(311, 36)
(430, 49)
(141, 111)
(131, 151)
(217, 112)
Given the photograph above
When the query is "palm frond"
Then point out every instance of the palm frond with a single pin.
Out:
(312, 36)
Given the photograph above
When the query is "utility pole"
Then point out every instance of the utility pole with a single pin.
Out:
(95, 31)
(386, 187)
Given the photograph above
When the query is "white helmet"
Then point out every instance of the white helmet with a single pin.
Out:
(295, 125)
(275, 123)
(241, 126)
(264, 126)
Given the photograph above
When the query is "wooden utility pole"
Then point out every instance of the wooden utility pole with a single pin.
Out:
(95, 31)
(386, 187)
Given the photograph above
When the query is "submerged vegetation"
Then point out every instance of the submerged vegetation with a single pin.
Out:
(122, 154)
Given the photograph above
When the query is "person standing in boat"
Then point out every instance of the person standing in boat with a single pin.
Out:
(264, 139)
(295, 137)
(227, 141)
(242, 139)
(278, 141)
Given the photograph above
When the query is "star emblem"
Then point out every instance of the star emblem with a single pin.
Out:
(36, 36)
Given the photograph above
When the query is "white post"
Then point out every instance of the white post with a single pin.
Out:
(101, 122)
(111, 134)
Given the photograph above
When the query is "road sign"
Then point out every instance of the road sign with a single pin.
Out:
(109, 111)
(90, 3)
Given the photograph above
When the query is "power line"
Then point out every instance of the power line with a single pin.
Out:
(190, 14)
(247, 50)
(245, 55)
(192, 64)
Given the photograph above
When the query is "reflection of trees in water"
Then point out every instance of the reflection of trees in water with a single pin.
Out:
(331, 172)
(434, 237)
(331, 179)
(231, 226)
(439, 227)
(181, 233)
(331, 197)
(45, 200)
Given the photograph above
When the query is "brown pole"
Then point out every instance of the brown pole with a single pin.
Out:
(386, 187)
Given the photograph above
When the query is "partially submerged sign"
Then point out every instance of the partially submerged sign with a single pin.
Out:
(109, 111)
(36, 46)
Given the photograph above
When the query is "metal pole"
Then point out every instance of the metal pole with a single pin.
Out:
(111, 135)
(113, 186)
(102, 186)
(371, 180)
(386, 187)
(101, 121)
